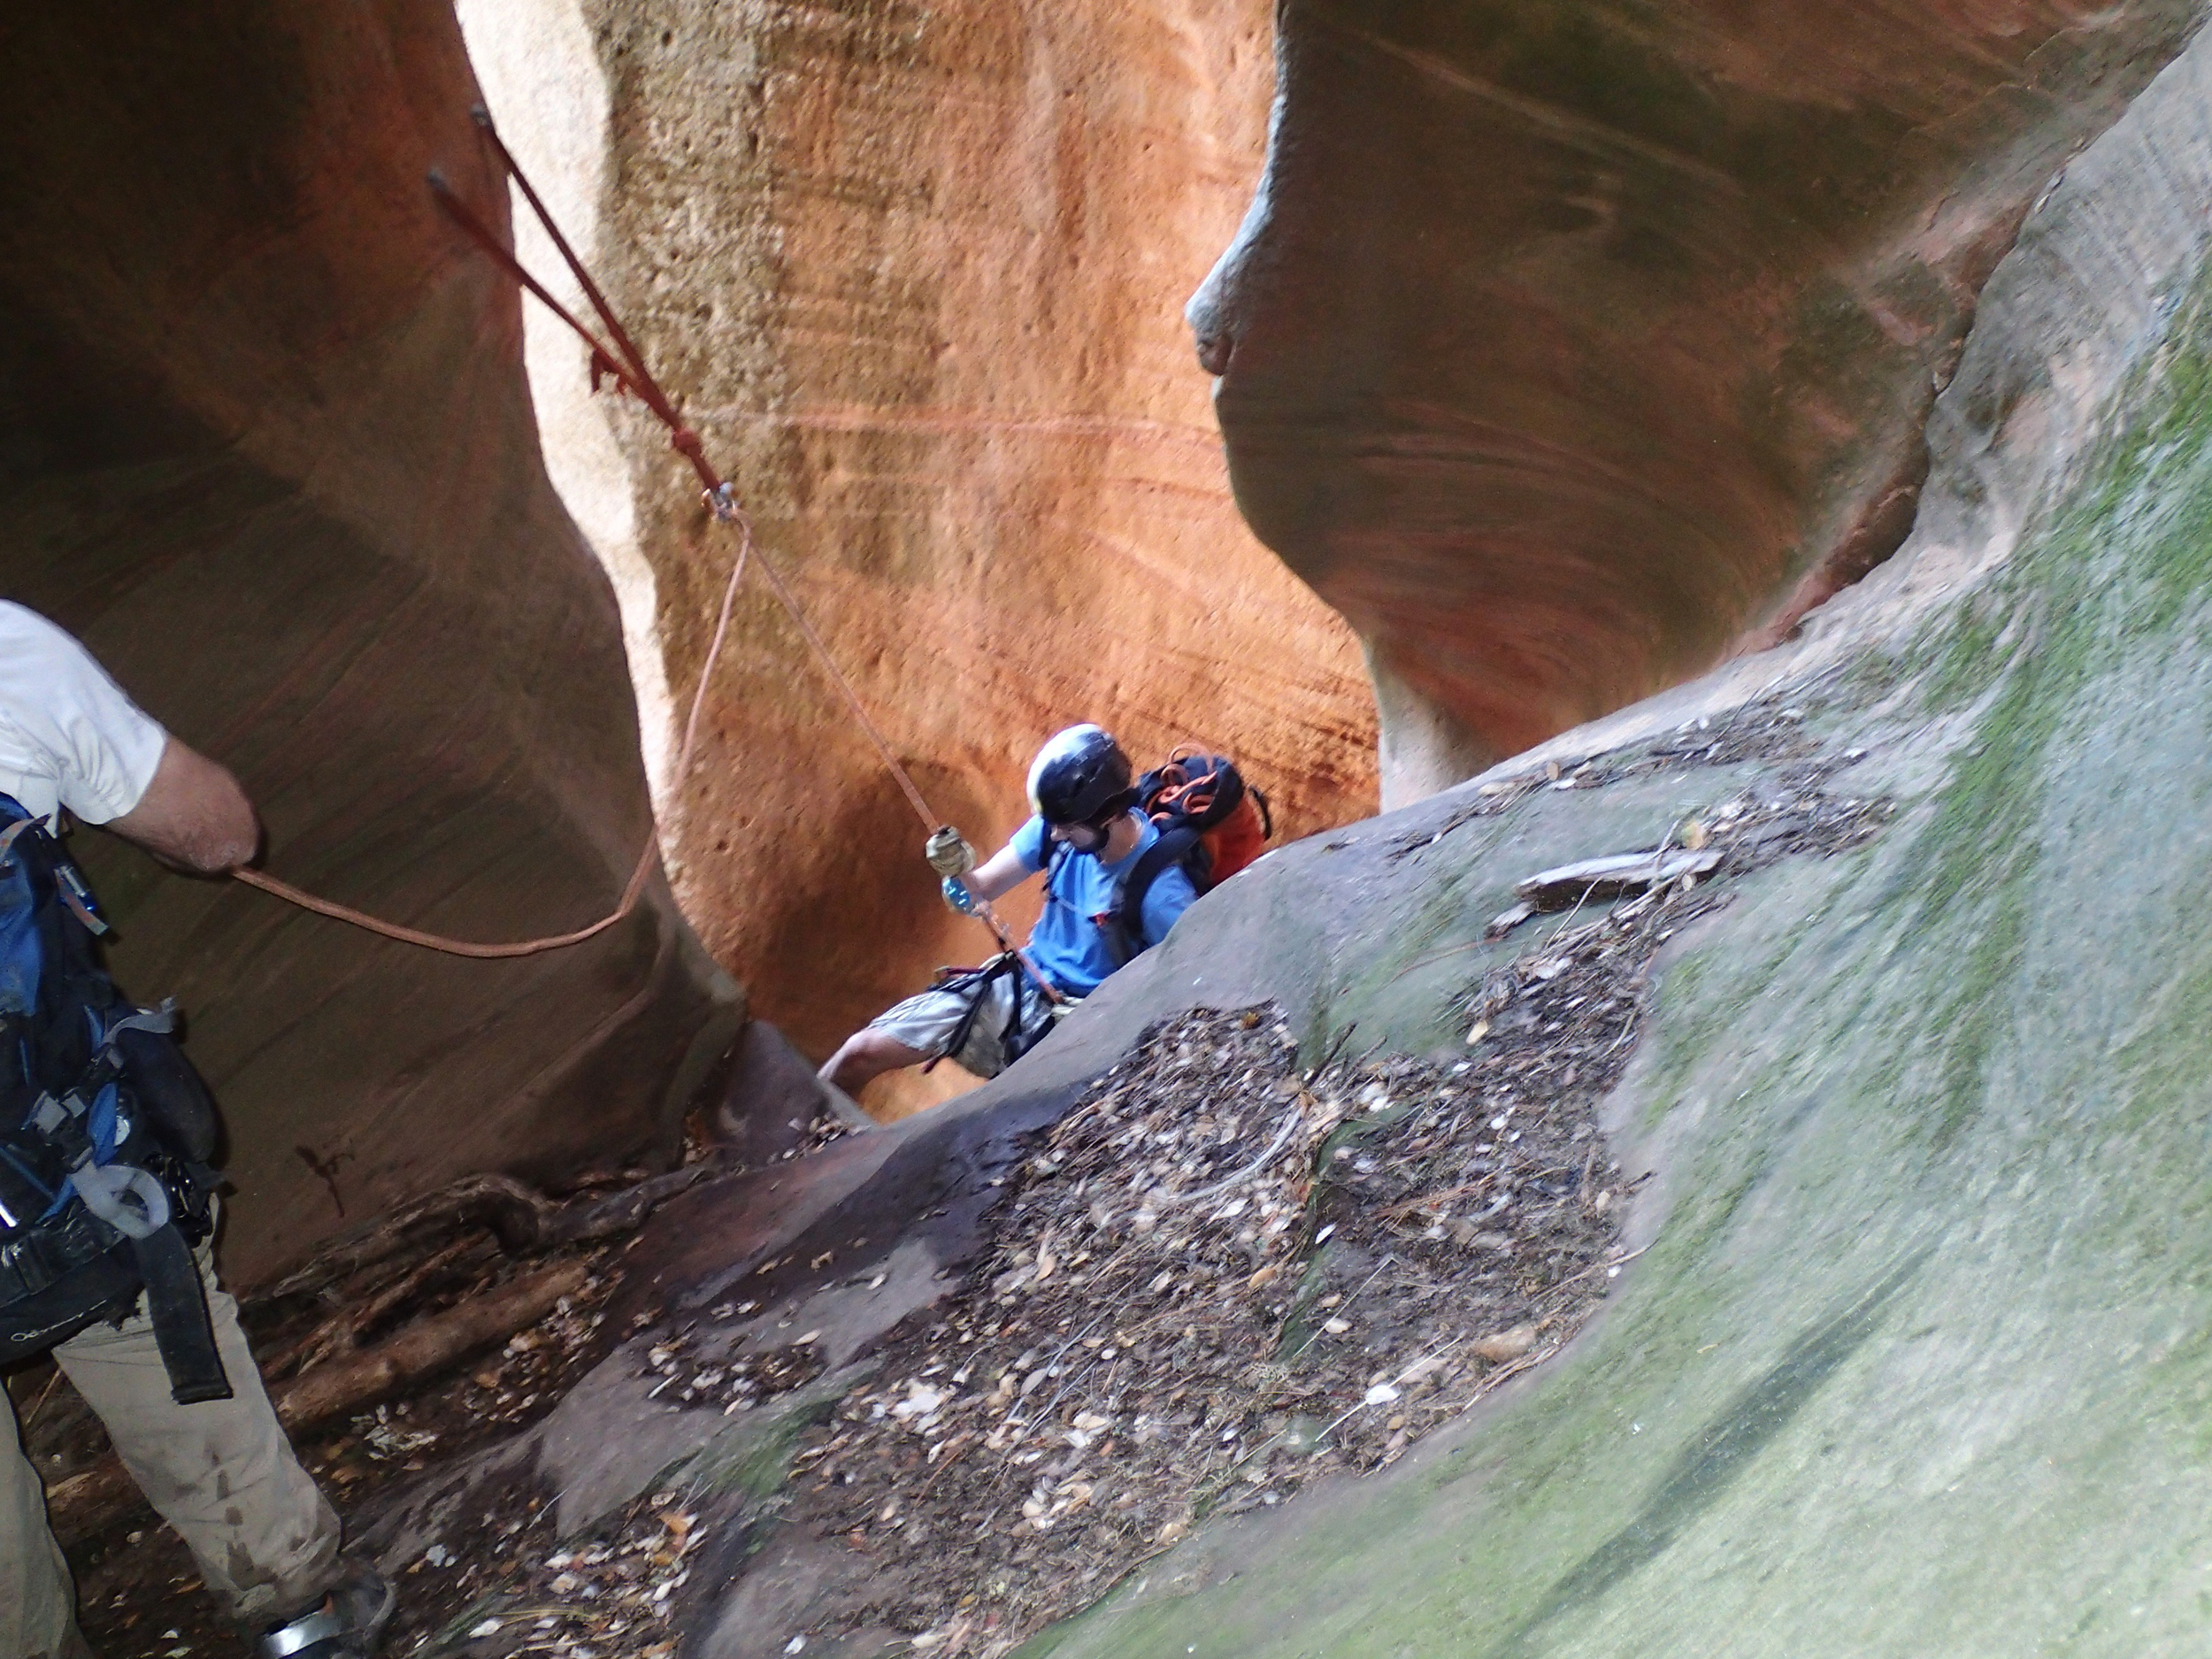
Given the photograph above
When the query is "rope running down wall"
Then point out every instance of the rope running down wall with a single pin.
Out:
(629, 373)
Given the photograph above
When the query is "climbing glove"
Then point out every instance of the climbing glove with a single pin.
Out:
(949, 853)
(957, 895)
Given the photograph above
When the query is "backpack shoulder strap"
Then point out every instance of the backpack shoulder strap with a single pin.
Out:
(1173, 847)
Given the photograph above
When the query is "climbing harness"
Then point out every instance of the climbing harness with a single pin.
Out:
(105, 1132)
(1028, 1021)
(618, 358)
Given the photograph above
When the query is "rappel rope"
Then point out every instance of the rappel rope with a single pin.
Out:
(625, 364)
(531, 947)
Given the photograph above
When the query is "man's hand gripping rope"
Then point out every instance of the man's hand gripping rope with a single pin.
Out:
(949, 855)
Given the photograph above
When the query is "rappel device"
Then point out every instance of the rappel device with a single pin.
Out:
(106, 1132)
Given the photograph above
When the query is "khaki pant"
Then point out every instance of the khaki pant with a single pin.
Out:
(222, 1473)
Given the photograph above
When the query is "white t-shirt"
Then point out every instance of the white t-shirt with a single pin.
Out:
(68, 735)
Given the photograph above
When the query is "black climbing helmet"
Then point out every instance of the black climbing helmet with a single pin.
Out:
(1080, 776)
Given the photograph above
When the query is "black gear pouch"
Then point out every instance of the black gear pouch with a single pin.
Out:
(171, 1093)
(106, 1288)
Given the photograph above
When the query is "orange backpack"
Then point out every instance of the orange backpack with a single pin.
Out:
(1212, 822)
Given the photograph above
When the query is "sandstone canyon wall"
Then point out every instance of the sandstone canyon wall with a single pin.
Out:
(1906, 1356)
(1562, 341)
(1567, 346)
(1902, 1347)
(915, 271)
(267, 446)
(1912, 1358)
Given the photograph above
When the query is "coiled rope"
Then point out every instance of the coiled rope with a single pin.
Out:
(625, 364)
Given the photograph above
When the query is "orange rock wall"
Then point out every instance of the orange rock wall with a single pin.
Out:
(266, 445)
(916, 273)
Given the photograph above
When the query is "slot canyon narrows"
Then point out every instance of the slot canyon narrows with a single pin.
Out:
(1743, 459)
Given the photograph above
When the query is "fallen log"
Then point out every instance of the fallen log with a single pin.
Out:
(95, 1500)
(523, 1219)
(423, 1350)
(344, 1331)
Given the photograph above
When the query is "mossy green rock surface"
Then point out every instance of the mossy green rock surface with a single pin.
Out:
(1919, 1360)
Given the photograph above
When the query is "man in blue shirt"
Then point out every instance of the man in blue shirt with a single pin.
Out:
(1086, 839)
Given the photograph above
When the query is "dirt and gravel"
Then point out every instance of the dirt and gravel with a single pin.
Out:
(139, 1593)
(140, 1596)
(1219, 1278)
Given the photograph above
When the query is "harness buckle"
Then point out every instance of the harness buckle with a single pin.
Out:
(129, 1199)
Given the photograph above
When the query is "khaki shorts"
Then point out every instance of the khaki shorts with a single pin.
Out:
(931, 1021)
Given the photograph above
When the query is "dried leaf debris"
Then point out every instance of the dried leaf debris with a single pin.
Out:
(1217, 1279)
(369, 1294)
(514, 1589)
(1771, 729)
(1220, 1277)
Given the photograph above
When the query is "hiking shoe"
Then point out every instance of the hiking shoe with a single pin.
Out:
(345, 1624)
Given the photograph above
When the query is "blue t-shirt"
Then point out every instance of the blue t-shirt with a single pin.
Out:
(1068, 945)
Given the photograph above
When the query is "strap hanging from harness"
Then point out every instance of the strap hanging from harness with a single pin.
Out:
(176, 1303)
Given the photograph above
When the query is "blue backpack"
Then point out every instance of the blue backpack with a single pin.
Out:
(106, 1132)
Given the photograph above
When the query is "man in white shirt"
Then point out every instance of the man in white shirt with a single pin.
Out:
(222, 1471)
(69, 737)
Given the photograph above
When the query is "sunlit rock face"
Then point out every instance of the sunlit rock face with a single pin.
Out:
(266, 444)
(916, 272)
(1567, 347)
